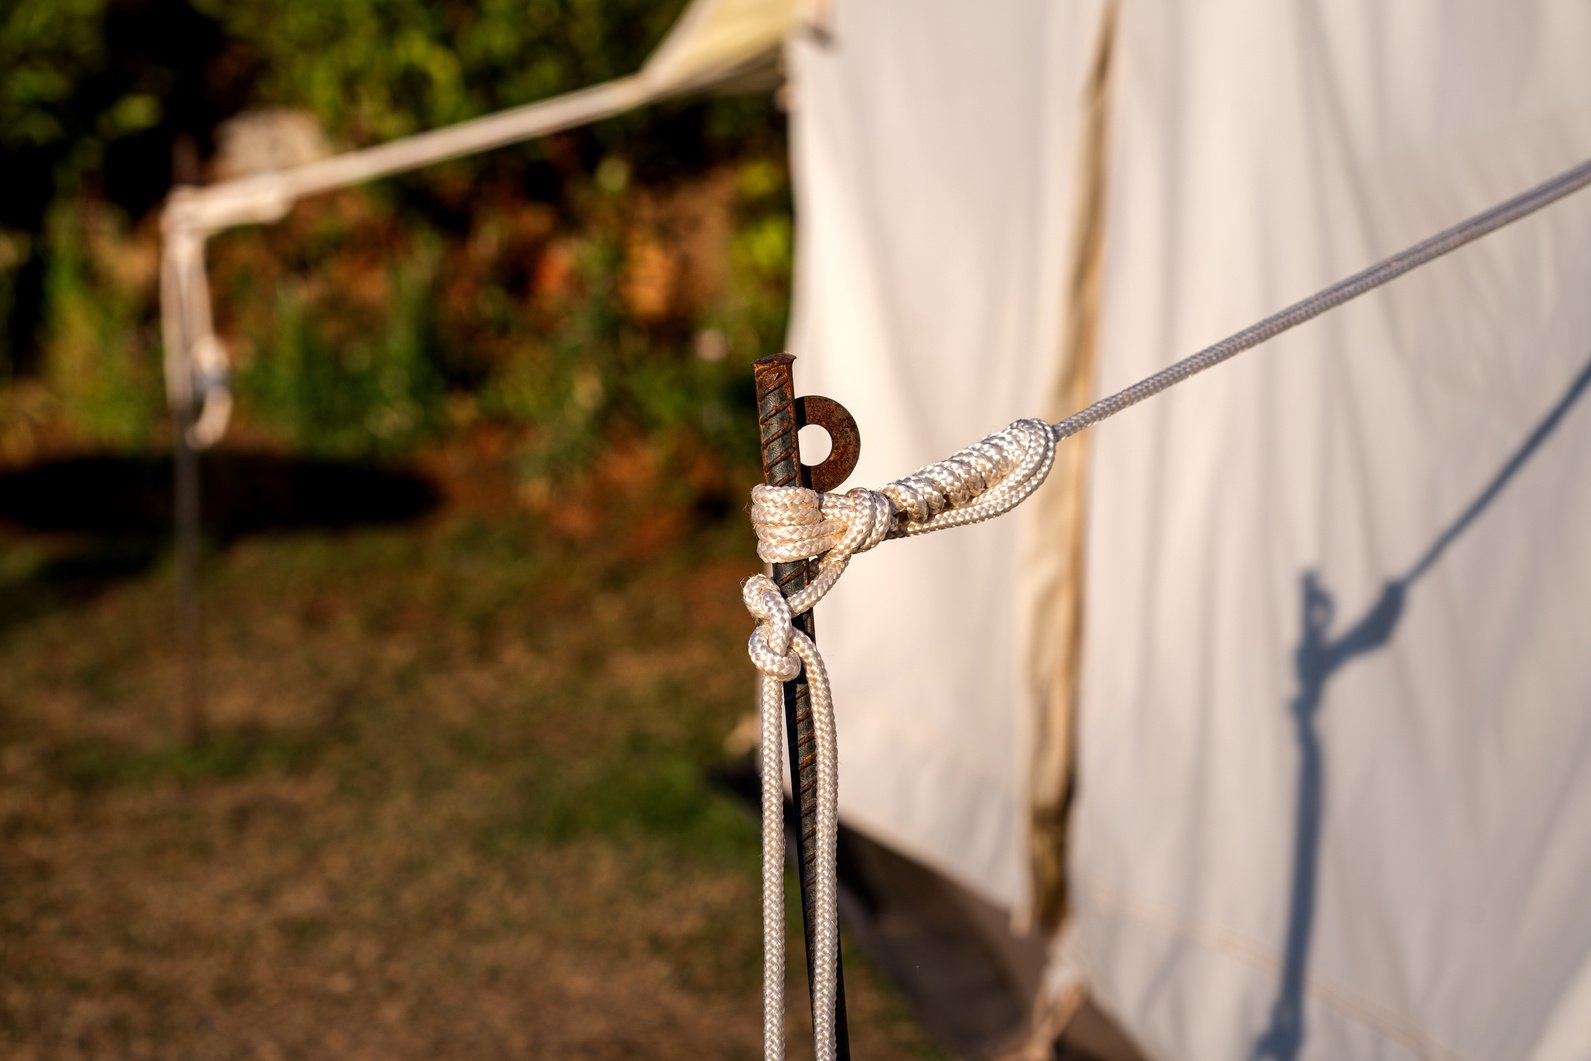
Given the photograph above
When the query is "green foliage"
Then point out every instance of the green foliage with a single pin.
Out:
(100, 359)
(501, 287)
(602, 368)
(50, 50)
(43, 43)
(370, 388)
(378, 69)
(755, 309)
(564, 385)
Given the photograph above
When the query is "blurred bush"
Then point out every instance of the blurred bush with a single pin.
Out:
(396, 67)
(601, 283)
(341, 382)
(60, 99)
(102, 367)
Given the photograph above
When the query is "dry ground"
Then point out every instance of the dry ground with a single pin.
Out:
(457, 800)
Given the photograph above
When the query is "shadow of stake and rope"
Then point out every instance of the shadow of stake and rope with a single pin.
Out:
(1318, 658)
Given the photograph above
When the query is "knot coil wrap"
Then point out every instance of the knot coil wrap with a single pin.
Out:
(793, 523)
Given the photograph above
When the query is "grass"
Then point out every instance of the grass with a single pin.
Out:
(457, 801)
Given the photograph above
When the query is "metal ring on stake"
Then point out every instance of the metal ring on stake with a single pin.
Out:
(845, 440)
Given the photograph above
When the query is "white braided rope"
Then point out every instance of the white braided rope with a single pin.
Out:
(781, 652)
(793, 523)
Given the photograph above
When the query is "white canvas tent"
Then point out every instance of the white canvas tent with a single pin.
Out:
(1318, 620)
(1414, 465)
(1295, 833)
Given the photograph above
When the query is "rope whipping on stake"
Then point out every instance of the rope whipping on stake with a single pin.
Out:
(800, 529)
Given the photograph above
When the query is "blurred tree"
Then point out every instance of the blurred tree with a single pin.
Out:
(105, 93)
(93, 93)
(537, 279)
(378, 69)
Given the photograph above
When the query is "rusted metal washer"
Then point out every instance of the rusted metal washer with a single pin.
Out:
(845, 441)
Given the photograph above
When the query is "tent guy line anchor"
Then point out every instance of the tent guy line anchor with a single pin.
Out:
(780, 417)
(810, 535)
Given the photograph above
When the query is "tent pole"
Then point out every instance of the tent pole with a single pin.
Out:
(781, 466)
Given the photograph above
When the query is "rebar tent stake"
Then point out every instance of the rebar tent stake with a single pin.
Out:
(780, 417)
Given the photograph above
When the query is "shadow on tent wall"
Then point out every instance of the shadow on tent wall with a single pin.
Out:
(1317, 659)
(109, 517)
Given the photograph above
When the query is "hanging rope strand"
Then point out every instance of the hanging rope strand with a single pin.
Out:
(781, 652)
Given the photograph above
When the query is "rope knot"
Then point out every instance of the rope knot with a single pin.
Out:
(790, 525)
(795, 525)
(770, 645)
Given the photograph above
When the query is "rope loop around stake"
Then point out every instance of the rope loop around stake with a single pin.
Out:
(795, 524)
(769, 646)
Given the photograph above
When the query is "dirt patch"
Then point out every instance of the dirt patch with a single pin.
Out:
(457, 803)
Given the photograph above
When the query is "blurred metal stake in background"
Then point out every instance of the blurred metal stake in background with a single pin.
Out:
(780, 417)
(190, 629)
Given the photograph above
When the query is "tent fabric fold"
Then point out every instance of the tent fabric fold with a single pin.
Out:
(934, 155)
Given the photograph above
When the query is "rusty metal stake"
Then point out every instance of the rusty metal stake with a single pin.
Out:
(780, 417)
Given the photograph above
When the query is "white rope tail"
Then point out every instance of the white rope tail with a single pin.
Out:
(792, 523)
(780, 651)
